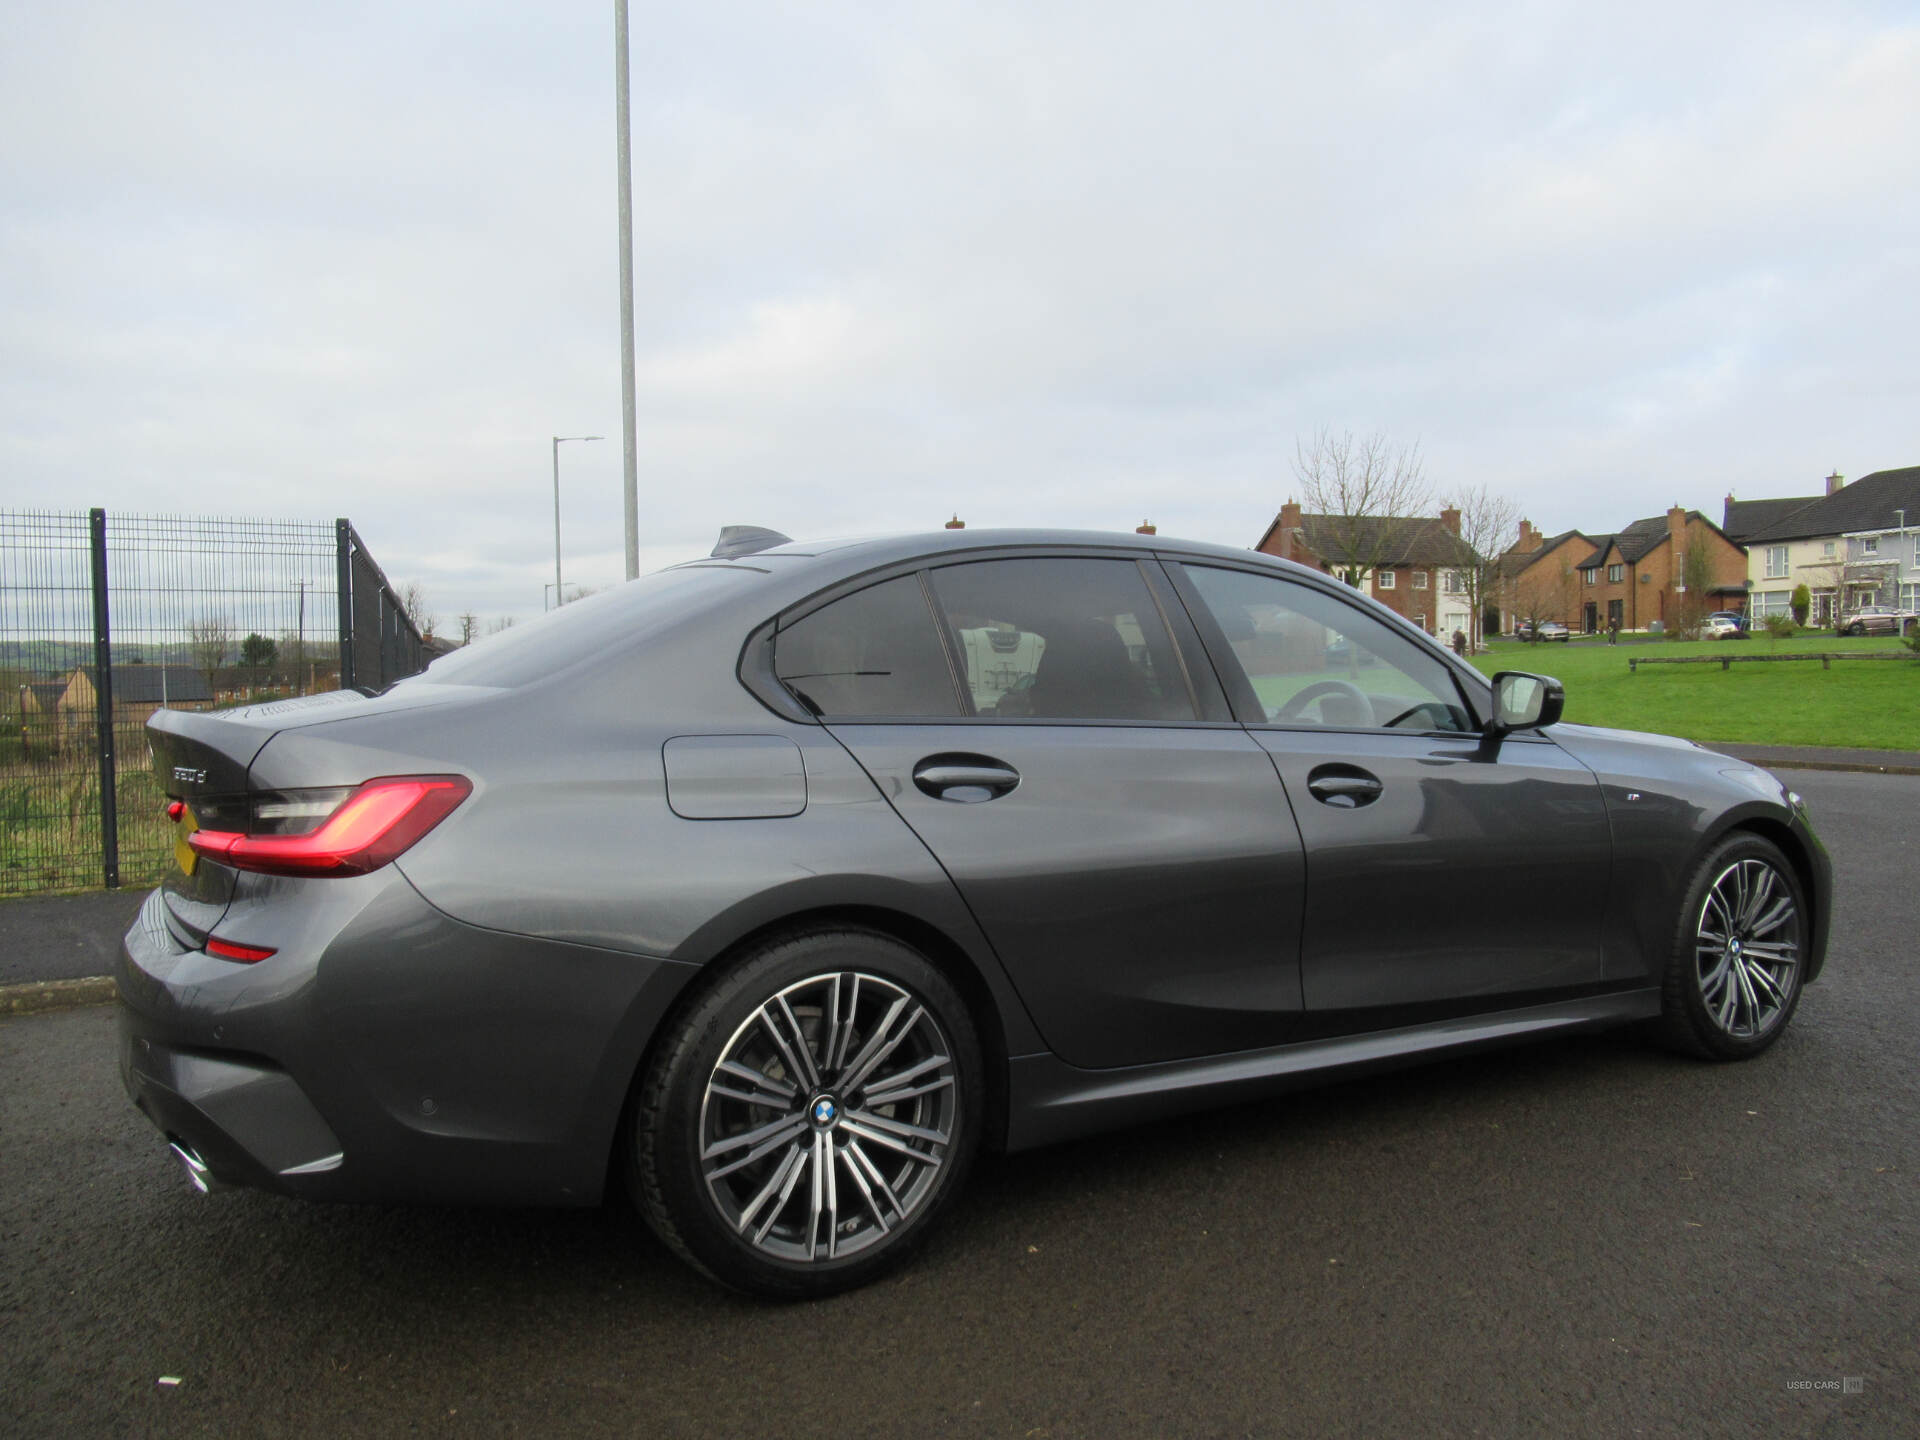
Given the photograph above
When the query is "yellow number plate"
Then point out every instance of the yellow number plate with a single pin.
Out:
(184, 855)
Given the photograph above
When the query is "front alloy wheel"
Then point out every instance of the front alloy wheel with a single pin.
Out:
(1734, 978)
(818, 1105)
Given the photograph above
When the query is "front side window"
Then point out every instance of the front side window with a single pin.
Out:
(1061, 639)
(873, 654)
(1314, 660)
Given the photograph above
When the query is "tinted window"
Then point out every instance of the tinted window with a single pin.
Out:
(874, 653)
(1316, 660)
(1062, 639)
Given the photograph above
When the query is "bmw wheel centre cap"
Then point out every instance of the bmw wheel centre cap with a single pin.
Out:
(825, 1111)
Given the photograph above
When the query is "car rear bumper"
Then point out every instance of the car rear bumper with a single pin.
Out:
(388, 1052)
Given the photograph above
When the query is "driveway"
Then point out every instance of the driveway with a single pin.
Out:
(1587, 1237)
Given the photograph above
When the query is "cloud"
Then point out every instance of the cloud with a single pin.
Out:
(1037, 263)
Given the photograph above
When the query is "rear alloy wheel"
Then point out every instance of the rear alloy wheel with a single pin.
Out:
(1734, 978)
(818, 1107)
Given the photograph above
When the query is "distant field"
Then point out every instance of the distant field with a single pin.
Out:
(1872, 704)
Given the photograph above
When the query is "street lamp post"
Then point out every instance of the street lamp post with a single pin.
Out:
(557, 440)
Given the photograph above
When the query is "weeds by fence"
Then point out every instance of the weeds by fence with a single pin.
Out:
(106, 618)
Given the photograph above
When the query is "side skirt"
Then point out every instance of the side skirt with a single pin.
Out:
(1049, 1100)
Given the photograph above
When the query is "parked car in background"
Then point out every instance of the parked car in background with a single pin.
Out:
(1875, 620)
(771, 888)
(1723, 625)
(1549, 630)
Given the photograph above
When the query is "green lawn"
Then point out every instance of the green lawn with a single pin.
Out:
(1874, 704)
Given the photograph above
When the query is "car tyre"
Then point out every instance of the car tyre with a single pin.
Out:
(814, 1110)
(1740, 951)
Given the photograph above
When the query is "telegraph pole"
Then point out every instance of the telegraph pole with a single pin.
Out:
(624, 148)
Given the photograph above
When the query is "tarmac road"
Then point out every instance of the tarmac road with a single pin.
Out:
(1587, 1237)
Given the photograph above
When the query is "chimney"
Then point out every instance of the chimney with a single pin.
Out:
(1677, 534)
(1146, 528)
(1450, 517)
(956, 523)
(1530, 538)
(1834, 482)
(1289, 528)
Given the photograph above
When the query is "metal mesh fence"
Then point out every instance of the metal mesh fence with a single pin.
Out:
(195, 613)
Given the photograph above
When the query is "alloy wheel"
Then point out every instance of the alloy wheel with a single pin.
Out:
(1747, 948)
(828, 1116)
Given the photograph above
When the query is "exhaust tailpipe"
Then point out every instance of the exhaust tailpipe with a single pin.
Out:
(198, 1175)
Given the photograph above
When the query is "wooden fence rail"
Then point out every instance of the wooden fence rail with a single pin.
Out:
(1727, 662)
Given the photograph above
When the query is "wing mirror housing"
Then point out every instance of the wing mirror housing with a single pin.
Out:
(1522, 701)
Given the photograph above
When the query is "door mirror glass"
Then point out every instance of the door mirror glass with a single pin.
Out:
(1522, 701)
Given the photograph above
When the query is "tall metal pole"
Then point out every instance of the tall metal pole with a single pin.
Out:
(626, 291)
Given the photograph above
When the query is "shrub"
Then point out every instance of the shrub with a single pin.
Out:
(1801, 603)
(1779, 627)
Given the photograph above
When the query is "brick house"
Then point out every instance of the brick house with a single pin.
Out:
(1635, 577)
(1417, 561)
(1539, 578)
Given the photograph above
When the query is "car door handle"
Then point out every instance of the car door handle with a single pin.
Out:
(1345, 787)
(964, 779)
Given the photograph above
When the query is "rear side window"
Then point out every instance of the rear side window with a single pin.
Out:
(874, 653)
(1062, 639)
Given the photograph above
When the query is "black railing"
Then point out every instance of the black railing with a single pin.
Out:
(106, 618)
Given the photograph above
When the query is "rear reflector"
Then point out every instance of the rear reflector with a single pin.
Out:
(374, 825)
(227, 950)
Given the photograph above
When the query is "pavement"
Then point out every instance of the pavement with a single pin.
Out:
(57, 950)
(1585, 1238)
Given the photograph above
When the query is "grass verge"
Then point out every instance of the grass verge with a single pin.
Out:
(1873, 705)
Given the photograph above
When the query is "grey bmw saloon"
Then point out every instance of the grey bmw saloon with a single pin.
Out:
(769, 888)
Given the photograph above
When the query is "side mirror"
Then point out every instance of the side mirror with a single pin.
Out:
(1522, 701)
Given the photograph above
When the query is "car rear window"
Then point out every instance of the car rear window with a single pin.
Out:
(596, 627)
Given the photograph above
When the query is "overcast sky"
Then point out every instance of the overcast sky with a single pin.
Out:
(1036, 263)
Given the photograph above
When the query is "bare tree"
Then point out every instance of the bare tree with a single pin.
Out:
(210, 637)
(504, 622)
(1486, 519)
(413, 600)
(1696, 576)
(1357, 483)
(469, 627)
(1549, 591)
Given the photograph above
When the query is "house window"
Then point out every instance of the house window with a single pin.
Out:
(1419, 579)
(1421, 621)
(1826, 550)
(1773, 602)
(1456, 583)
(1386, 580)
(1592, 576)
(1616, 573)
(1776, 562)
(1910, 597)
(1870, 545)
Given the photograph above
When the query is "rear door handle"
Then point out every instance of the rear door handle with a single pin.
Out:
(1345, 787)
(964, 779)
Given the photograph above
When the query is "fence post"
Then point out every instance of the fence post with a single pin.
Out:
(343, 548)
(103, 703)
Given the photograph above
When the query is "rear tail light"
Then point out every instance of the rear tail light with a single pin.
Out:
(246, 954)
(344, 832)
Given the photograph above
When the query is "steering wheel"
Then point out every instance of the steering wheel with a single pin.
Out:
(1434, 710)
(1297, 705)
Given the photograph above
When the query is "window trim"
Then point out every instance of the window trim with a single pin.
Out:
(1213, 706)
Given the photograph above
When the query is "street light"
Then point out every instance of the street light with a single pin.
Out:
(557, 440)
